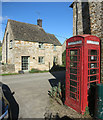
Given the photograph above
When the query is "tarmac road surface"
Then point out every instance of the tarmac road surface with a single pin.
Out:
(31, 91)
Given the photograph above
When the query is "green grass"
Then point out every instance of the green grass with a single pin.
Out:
(9, 74)
(37, 71)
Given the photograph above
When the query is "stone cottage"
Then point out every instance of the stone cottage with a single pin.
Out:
(28, 46)
(88, 19)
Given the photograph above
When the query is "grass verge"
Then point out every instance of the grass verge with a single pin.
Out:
(9, 74)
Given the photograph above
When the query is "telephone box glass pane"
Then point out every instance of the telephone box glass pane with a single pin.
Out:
(73, 83)
(92, 65)
(73, 70)
(72, 64)
(93, 83)
(92, 78)
(72, 89)
(93, 52)
(73, 52)
(72, 95)
(93, 71)
(73, 58)
(73, 77)
(92, 58)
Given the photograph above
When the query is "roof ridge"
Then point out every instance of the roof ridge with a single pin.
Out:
(23, 22)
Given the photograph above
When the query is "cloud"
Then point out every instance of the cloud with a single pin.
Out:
(3, 18)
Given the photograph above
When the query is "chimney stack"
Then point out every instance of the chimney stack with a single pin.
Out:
(39, 22)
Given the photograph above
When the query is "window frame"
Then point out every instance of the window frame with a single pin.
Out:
(42, 61)
(54, 59)
(54, 47)
(25, 63)
(11, 44)
(41, 44)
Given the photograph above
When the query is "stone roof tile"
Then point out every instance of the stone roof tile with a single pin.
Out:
(33, 33)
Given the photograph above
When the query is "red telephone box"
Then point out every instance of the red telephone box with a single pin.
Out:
(82, 69)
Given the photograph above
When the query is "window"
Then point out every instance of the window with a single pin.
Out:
(54, 47)
(25, 62)
(41, 60)
(41, 46)
(55, 60)
(11, 44)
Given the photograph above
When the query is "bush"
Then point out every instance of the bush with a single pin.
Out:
(33, 70)
(64, 58)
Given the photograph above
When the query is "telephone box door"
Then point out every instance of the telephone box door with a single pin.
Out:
(73, 81)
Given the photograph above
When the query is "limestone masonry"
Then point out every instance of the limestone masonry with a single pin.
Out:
(88, 19)
(28, 46)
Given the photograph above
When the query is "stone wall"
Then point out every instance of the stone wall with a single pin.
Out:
(7, 68)
(8, 53)
(31, 49)
(88, 19)
(96, 16)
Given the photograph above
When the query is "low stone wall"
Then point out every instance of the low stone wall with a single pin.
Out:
(7, 68)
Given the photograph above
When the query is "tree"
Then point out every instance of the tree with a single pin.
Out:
(0, 53)
(64, 58)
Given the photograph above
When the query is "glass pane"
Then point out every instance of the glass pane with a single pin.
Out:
(93, 52)
(72, 89)
(88, 79)
(72, 95)
(88, 72)
(92, 58)
(92, 78)
(73, 83)
(92, 84)
(73, 64)
(73, 71)
(92, 65)
(73, 77)
(24, 63)
(93, 71)
(39, 60)
(73, 58)
(73, 52)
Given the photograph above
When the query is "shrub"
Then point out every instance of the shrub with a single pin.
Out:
(64, 58)
(34, 70)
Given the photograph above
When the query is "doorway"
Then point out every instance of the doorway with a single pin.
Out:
(25, 63)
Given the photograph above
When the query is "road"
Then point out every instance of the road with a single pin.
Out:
(31, 91)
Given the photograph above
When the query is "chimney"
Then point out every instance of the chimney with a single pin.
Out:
(39, 22)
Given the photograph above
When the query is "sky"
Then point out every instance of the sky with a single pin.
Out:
(57, 17)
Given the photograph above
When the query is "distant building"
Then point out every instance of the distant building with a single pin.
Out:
(64, 46)
(28, 46)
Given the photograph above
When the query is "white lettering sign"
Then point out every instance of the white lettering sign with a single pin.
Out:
(92, 42)
(76, 42)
